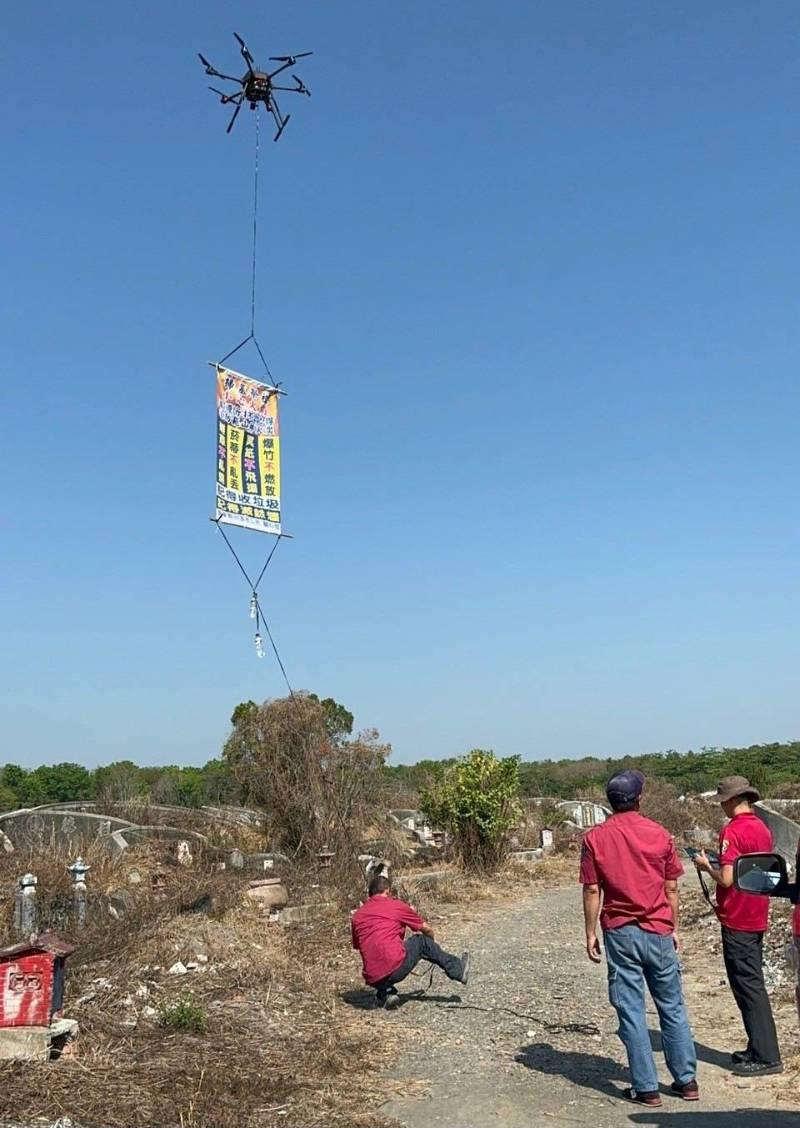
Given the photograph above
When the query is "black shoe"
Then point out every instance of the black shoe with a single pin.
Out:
(651, 1098)
(754, 1068)
(686, 1090)
(464, 968)
(739, 1056)
(392, 1001)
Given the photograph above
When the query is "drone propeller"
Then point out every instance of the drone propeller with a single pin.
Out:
(248, 58)
(290, 59)
(282, 125)
(233, 119)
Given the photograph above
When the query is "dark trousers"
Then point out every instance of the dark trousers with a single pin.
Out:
(743, 953)
(419, 947)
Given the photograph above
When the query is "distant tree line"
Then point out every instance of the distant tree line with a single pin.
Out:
(120, 782)
(773, 768)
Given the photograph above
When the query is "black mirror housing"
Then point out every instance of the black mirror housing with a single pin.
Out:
(764, 875)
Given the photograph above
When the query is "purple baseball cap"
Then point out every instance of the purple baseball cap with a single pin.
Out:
(625, 787)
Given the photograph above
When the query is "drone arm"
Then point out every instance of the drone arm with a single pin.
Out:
(226, 98)
(301, 87)
(214, 73)
(280, 70)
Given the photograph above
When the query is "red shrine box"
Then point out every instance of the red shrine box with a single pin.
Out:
(32, 981)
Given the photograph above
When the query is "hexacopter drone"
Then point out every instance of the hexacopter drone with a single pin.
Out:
(258, 86)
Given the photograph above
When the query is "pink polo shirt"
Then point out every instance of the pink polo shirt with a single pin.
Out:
(630, 857)
(743, 912)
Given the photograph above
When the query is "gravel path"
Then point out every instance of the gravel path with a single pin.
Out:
(532, 1040)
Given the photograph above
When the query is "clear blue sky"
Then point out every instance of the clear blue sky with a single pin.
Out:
(530, 277)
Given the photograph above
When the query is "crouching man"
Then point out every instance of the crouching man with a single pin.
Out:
(379, 928)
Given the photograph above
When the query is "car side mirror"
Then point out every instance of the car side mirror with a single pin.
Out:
(762, 874)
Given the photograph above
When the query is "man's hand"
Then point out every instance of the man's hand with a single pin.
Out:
(426, 930)
(676, 940)
(593, 949)
(701, 861)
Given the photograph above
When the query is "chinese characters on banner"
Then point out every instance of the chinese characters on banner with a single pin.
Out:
(248, 453)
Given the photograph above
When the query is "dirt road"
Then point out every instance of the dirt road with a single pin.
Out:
(532, 1040)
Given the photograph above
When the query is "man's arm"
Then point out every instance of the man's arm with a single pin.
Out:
(411, 919)
(591, 913)
(722, 876)
(671, 891)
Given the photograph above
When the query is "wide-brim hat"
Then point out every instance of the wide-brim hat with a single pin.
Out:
(734, 786)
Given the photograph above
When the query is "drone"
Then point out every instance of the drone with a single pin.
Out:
(257, 85)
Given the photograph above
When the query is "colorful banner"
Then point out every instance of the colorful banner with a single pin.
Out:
(248, 453)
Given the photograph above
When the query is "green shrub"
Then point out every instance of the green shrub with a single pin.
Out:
(185, 1014)
(476, 800)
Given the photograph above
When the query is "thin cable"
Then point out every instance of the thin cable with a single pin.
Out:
(254, 264)
(253, 586)
(275, 651)
(255, 233)
(242, 569)
(260, 616)
(263, 360)
(241, 344)
(278, 539)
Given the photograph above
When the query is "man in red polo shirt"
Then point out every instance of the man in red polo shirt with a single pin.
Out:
(744, 918)
(796, 937)
(378, 930)
(629, 865)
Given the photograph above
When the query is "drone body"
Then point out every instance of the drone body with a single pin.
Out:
(257, 86)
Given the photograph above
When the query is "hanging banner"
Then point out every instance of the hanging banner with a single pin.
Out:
(248, 453)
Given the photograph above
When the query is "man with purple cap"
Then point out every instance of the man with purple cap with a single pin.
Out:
(629, 873)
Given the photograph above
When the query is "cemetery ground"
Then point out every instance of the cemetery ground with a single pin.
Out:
(196, 1011)
(531, 1041)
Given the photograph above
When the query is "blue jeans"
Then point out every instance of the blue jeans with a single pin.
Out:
(636, 958)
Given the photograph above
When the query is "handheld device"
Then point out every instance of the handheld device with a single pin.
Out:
(712, 856)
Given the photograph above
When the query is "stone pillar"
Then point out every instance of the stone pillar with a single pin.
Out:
(25, 905)
(78, 871)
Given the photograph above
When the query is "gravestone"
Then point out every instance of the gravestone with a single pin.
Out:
(67, 828)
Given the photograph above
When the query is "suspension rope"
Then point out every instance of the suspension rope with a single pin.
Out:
(266, 565)
(260, 616)
(255, 232)
(275, 650)
(251, 336)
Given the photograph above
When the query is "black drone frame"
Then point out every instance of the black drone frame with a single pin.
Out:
(258, 86)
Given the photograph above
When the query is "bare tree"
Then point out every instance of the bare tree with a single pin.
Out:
(317, 788)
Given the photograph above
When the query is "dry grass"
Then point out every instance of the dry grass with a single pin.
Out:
(467, 891)
(279, 1047)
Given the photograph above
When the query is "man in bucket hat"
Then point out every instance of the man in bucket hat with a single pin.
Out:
(744, 918)
(630, 863)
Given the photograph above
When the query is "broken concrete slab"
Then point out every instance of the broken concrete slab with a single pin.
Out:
(37, 1043)
(25, 1043)
(304, 914)
(270, 893)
